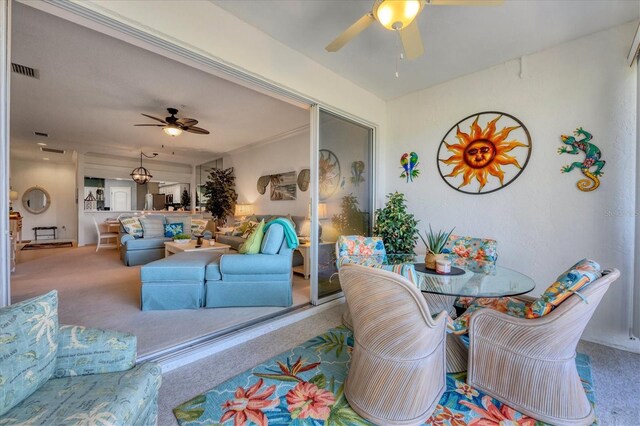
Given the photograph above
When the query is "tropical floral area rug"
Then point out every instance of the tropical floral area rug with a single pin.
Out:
(304, 386)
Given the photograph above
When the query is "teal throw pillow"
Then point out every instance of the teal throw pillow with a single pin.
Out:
(172, 229)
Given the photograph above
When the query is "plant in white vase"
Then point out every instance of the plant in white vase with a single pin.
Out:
(435, 245)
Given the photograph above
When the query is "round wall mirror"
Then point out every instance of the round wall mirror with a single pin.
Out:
(36, 200)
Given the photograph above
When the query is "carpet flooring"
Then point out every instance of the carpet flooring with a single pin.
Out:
(615, 373)
(97, 290)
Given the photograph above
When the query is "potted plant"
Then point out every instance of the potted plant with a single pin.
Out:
(351, 220)
(185, 199)
(397, 227)
(181, 238)
(221, 194)
(435, 245)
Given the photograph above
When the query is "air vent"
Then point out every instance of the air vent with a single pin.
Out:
(55, 151)
(25, 70)
(41, 134)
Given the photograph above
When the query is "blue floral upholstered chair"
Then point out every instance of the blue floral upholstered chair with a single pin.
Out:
(71, 375)
(369, 251)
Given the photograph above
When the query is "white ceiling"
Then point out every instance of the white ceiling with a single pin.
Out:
(92, 89)
(458, 40)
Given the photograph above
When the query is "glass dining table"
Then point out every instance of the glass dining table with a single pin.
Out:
(441, 292)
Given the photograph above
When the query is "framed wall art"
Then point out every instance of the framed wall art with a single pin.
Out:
(484, 152)
(284, 186)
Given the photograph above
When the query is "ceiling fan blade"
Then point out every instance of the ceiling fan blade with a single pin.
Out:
(187, 122)
(197, 130)
(154, 118)
(150, 125)
(355, 29)
(465, 2)
(412, 41)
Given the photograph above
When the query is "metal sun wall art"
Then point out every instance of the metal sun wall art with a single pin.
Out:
(475, 161)
(357, 171)
(329, 171)
(409, 162)
(283, 186)
(592, 158)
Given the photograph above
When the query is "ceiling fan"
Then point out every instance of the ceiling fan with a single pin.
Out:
(174, 126)
(399, 15)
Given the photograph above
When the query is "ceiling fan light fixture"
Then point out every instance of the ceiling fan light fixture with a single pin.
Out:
(396, 14)
(172, 130)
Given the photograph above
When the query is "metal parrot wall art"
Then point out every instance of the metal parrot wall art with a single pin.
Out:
(409, 163)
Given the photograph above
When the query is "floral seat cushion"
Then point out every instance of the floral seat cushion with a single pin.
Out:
(569, 282)
(407, 270)
(360, 250)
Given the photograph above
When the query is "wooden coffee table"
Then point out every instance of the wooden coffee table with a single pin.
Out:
(170, 247)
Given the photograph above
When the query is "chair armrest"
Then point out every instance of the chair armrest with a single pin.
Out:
(125, 238)
(83, 351)
(239, 264)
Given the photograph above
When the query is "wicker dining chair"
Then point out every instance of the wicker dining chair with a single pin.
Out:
(529, 364)
(397, 370)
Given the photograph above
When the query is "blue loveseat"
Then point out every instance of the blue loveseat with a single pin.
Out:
(208, 279)
(140, 251)
(71, 375)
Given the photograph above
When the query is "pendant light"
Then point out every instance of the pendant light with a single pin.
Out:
(140, 175)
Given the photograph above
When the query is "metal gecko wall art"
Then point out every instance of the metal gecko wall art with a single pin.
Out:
(593, 158)
(409, 163)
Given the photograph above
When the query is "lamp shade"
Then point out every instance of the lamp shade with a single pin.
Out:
(322, 211)
(244, 210)
(13, 195)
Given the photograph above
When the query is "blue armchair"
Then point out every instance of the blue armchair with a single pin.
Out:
(70, 375)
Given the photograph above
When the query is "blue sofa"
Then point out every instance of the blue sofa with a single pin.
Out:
(208, 279)
(71, 375)
(140, 251)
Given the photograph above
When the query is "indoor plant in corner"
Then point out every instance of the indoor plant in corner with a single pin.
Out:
(397, 227)
(221, 194)
(435, 245)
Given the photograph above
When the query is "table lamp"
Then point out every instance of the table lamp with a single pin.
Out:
(13, 196)
(243, 210)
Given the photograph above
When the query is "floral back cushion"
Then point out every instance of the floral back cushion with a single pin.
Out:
(361, 250)
(569, 282)
(464, 251)
(198, 226)
(132, 226)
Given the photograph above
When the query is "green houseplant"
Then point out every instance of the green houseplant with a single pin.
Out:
(221, 194)
(351, 220)
(397, 227)
(181, 238)
(435, 245)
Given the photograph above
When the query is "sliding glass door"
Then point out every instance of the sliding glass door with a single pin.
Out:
(344, 156)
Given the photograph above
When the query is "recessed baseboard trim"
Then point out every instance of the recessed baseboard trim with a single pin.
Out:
(180, 358)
